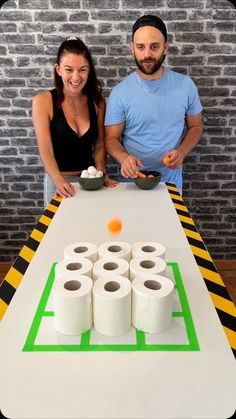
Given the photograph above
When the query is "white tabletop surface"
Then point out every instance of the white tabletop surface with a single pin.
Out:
(195, 384)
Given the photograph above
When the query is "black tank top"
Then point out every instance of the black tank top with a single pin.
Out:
(72, 152)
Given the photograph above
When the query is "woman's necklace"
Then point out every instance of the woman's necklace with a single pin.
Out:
(75, 112)
(145, 89)
(74, 108)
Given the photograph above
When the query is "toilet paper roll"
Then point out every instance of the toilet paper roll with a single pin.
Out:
(72, 267)
(110, 266)
(147, 265)
(72, 300)
(152, 301)
(148, 249)
(115, 249)
(112, 305)
(83, 249)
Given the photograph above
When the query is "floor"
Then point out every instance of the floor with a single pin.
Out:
(4, 267)
(227, 270)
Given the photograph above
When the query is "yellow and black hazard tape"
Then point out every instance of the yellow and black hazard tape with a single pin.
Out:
(14, 276)
(225, 308)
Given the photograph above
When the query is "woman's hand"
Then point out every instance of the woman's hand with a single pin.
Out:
(64, 188)
(110, 183)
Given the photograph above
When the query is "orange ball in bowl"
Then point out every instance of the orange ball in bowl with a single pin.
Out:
(140, 174)
(114, 226)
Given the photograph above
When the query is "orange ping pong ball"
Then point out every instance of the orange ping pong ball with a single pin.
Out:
(114, 225)
(165, 160)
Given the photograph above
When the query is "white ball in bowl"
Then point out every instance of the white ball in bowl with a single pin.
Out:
(84, 173)
(92, 171)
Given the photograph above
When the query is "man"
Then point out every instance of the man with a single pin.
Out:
(155, 112)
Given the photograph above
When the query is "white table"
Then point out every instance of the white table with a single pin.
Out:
(116, 384)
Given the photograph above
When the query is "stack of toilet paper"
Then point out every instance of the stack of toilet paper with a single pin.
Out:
(112, 287)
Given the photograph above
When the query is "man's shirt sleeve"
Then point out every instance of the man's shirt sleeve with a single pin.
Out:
(115, 110)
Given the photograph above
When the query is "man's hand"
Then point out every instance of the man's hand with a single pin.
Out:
(130, 166)
(174, 159)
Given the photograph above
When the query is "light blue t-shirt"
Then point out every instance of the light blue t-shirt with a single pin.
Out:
(154, 115)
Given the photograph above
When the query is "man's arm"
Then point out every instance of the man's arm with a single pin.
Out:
(190, 140)
(129, 164)
(114, 147)
(193, 135)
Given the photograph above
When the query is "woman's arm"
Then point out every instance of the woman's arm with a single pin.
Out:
(100, 150)
(42, 112)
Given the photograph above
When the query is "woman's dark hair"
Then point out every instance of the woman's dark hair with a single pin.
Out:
(93, 87)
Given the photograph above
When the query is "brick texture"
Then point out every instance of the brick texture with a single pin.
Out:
(202, 37)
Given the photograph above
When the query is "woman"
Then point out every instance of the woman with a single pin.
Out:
(69, 121)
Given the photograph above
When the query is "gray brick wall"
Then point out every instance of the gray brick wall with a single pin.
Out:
(202, 37)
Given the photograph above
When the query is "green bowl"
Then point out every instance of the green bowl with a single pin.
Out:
(91, 184)
(148, 183)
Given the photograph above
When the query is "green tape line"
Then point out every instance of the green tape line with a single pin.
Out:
(85, 339)
(140, 337)
(185, 308)
(40, 312)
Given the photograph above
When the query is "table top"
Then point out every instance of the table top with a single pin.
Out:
(188, 372)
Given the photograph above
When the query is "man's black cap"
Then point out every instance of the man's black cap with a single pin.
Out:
(150, 20)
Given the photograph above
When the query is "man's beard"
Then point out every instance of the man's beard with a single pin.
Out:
(156, 64)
